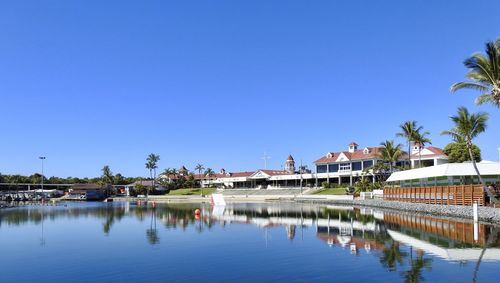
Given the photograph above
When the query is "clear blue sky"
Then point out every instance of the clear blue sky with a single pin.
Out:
(89, 83)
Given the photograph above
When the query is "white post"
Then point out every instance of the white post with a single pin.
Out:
(476, 219)
(475, 212)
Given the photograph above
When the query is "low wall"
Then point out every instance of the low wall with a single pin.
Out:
(324, 197)
(448, 195)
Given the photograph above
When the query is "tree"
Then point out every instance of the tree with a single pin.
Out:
(390, 153)
(484, 75)
(199, 167)
(408, 130)
(118, 179)
(457, 152)
(421, 139)
(151, 165)
(209, 173)
(107, 176)
(467, 127)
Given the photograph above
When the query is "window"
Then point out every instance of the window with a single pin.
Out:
(367, 164)
(345, 167)
(356, 166)
(321, 168)
(333, 168)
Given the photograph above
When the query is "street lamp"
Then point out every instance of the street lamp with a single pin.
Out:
(42, 158)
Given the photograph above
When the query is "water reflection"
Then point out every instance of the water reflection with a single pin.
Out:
(403, 244)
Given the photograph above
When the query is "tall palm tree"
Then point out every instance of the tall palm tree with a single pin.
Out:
(199, 167)
(390, 153)
(467, 127)
(209, 173)
(107, 175)
(151, 165)
(408, 130)
(421, 139)
(484, 75)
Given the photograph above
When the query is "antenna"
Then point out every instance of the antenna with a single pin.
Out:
(265, 157)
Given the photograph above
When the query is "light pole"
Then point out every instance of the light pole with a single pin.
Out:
(42, 158)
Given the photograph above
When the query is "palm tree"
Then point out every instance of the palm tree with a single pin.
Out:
(421, 139)
(408, 130)
(151, 165)
(467, 127)
(484, 75)
(199, 167)
(107, 175)
(390, 153)
(209, 173)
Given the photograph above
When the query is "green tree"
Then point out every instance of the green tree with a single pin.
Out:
(199, 167)
(118, 179)
(209, 173)
(408, 130)
(107, 176)
(484, 75)
(467, 127)
(152, 165)
(421, 139)
(457, 152)
(390, 153)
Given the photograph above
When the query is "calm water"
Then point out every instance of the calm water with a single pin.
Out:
(122, 242)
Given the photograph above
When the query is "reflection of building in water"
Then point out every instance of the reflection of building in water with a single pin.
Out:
(290, 231)
(446, 232)
(445, 238)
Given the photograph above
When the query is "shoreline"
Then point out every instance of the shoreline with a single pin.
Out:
(486, 214)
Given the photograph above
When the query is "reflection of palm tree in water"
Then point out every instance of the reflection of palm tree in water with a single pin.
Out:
(494, 233)
(415, 272)
(152, 233)
(392, 256)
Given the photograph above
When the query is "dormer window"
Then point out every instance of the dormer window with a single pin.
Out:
(329, 155)
(353, 147)
(366, 150)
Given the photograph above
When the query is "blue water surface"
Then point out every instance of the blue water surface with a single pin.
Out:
(282, 242)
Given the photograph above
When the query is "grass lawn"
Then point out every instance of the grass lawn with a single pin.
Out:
(335, 191)
(192, 191)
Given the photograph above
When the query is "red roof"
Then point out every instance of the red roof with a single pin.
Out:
(290, 158)
(373, 152)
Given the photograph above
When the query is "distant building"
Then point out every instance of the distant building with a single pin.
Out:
(88, 192)
(346, 167)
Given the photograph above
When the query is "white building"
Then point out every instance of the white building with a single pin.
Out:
(346, 167)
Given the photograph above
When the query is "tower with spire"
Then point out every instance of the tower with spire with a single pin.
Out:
(290, 164)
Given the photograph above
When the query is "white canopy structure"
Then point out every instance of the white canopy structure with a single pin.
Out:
(447, 170)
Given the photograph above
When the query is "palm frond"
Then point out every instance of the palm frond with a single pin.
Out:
(469, 85)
